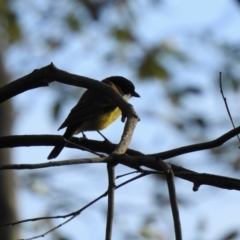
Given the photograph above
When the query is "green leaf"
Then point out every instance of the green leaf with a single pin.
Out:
(72, 22)
(122, 34)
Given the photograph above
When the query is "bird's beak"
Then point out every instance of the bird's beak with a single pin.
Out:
(134, 94)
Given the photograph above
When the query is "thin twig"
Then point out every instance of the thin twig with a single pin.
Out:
(126, 174)
(73, 214)
(225, 102)
(49, 231)
(51, 164)
(132, 179)
(83, 148)
(105, 139)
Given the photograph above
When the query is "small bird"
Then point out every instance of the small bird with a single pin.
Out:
(95, 111)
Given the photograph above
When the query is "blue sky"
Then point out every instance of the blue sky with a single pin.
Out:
(215, 207)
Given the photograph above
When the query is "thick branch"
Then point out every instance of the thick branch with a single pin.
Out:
(197, 179)
(51, 140)
(43, 76)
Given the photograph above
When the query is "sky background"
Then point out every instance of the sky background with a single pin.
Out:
(211, 209)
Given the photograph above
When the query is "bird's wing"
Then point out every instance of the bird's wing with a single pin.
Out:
(90, 105)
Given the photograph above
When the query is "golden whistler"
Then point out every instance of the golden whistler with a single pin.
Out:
(94, 111)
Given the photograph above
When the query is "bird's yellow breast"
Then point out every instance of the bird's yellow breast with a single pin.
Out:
(99, 122)
(108, 118)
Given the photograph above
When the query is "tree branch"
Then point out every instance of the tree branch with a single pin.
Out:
(136, 162)
(225, 102)
(174, 203)
(103, 146)
(198, 147)
(51, 164)
(197, 179)
(71, 215)
(111, 192)
(43, 76)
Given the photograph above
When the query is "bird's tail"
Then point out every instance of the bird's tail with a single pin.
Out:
(56, 151)
(58, 148)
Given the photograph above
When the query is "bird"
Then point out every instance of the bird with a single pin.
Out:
(95, 111)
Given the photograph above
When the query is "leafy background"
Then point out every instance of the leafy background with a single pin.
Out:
(173, 52)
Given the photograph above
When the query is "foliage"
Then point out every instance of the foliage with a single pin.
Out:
(185, 64)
